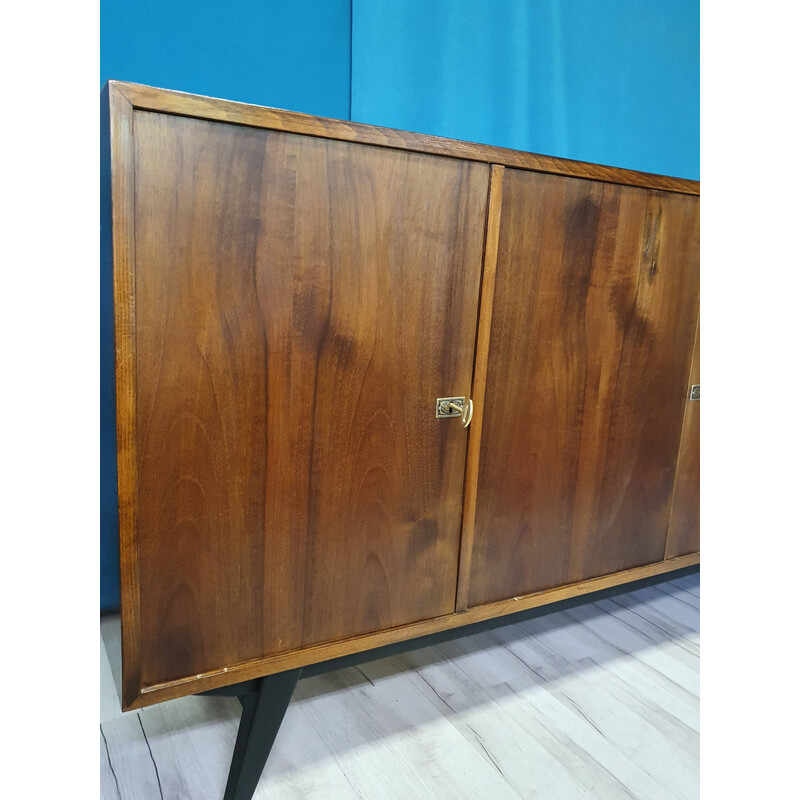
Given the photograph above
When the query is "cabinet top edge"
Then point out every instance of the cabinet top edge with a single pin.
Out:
(170, 101)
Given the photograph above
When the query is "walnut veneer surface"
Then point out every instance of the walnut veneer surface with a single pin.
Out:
(291, 296)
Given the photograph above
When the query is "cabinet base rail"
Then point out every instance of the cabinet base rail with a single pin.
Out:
(265, 700)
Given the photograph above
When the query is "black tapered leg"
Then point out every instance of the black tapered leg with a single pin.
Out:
(262, 714)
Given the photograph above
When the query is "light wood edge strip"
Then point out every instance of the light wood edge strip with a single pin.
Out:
(324, 652)
(687, 409)
(122, 235)
(479, 383)
(181, 103)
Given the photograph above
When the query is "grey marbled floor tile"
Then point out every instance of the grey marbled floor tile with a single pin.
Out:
(671, 590)
(579, 646)
(392, 743)
(191, 740)
(690, 583)
(641, 622)
(131, 765)
(566, 721)
(536, 759)
(665, 656)
(109, 790)
(671, 614)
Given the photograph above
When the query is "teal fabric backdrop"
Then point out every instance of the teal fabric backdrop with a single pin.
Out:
(610, 81)
(292, 55)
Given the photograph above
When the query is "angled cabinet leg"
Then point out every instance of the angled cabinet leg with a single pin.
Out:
(262, 713)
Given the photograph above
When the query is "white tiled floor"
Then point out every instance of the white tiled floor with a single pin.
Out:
(600, 702)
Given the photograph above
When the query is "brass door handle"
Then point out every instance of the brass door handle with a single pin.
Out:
(466, 414)
(447, 407)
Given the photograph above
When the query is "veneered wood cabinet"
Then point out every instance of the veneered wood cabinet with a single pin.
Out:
(595, 305)
(293, 295)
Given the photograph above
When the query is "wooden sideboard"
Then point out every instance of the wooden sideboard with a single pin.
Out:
(294, 296)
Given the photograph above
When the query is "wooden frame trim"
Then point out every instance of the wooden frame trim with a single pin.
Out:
(120, 112)
(358, 644)
(479, 383)
(190, 105)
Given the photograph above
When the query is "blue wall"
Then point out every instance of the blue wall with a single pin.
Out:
(292, 55)
(109, 519)
(614, 82)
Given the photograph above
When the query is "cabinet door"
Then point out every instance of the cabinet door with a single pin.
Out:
(595, 303)
(300, 303)
(684, 522)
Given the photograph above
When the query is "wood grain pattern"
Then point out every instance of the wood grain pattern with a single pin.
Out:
(479, 383)
(300, 304)
(595, 307)
(358, 644)
(146, 97)
(684, 523)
